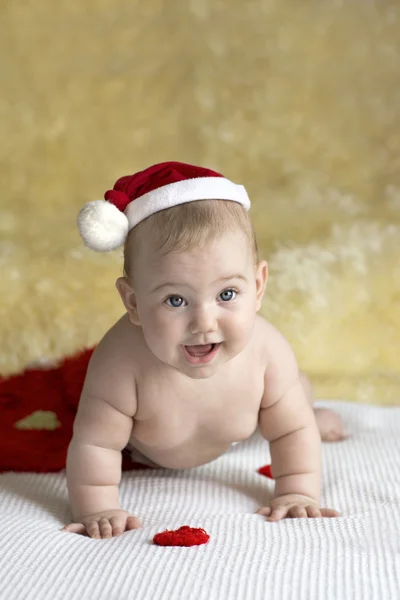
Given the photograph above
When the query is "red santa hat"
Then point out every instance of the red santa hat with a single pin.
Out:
(104, 224)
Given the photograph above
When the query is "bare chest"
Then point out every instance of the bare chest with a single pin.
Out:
(172, 414)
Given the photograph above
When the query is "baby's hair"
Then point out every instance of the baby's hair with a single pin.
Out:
(190, 225)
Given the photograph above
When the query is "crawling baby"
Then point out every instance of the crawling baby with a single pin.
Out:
(190, 368)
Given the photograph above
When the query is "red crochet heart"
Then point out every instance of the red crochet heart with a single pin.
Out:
(266, 471)
(184, 536)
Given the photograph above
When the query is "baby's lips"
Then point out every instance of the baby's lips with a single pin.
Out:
(202, 349)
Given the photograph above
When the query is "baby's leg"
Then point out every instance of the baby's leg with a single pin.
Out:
(139, 459)
(329, 423)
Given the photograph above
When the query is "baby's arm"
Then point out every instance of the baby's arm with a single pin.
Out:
(102, 428)
(287, 421)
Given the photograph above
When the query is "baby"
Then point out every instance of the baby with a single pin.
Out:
(191, 367)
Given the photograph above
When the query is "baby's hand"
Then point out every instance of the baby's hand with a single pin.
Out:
(110, 523)
(295, 506)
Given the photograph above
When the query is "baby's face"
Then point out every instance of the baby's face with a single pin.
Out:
(198, 297)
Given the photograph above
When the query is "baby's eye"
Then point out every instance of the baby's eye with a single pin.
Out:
(227, 295)
(176, 301)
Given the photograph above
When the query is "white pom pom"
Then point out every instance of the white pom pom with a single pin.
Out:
(103, 227)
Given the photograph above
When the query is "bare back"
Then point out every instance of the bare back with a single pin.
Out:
(182, 422)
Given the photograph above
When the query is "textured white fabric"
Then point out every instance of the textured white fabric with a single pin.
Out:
(354, 557)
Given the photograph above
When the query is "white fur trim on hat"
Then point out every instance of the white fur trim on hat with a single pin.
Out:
(187, 190)
(103, 227)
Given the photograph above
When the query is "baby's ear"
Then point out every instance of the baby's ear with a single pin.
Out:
(261, 282)
(128, 298)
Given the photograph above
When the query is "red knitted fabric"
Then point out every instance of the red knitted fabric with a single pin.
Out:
(57, 390)
(266, 470)
(184, 536)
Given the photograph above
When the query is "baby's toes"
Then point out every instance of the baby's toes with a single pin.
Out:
(333, 436)
(330, 425)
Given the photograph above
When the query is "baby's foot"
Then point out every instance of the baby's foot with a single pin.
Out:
(330, 425)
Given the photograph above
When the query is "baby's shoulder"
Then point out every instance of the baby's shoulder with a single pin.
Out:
(111, 368)
(268, 334)
(114, 343)
(273, 344)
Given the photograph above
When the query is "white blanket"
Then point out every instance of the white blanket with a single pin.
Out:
(354, 557)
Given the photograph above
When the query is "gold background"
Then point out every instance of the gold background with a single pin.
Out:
(297, 100)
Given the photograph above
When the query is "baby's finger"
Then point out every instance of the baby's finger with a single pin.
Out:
(118, 525)
(313, 512)
(264, 511)
(105, 528)
(93, 530)
(75, 528)
(297, 512)
(329, 512)
(278, 513)
(133, 523)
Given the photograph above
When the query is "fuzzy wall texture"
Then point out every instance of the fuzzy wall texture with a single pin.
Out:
(297, 100)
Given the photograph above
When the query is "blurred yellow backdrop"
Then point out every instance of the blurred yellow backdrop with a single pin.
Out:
(297, 100)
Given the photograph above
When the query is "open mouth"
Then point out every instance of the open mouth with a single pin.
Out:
(200, 354)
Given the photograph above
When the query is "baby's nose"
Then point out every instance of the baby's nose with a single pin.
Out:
(203, 321)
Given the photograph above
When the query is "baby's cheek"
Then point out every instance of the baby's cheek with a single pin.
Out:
(159, 329)
(242, 328)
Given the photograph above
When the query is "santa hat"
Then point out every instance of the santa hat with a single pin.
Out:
(104, 224)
